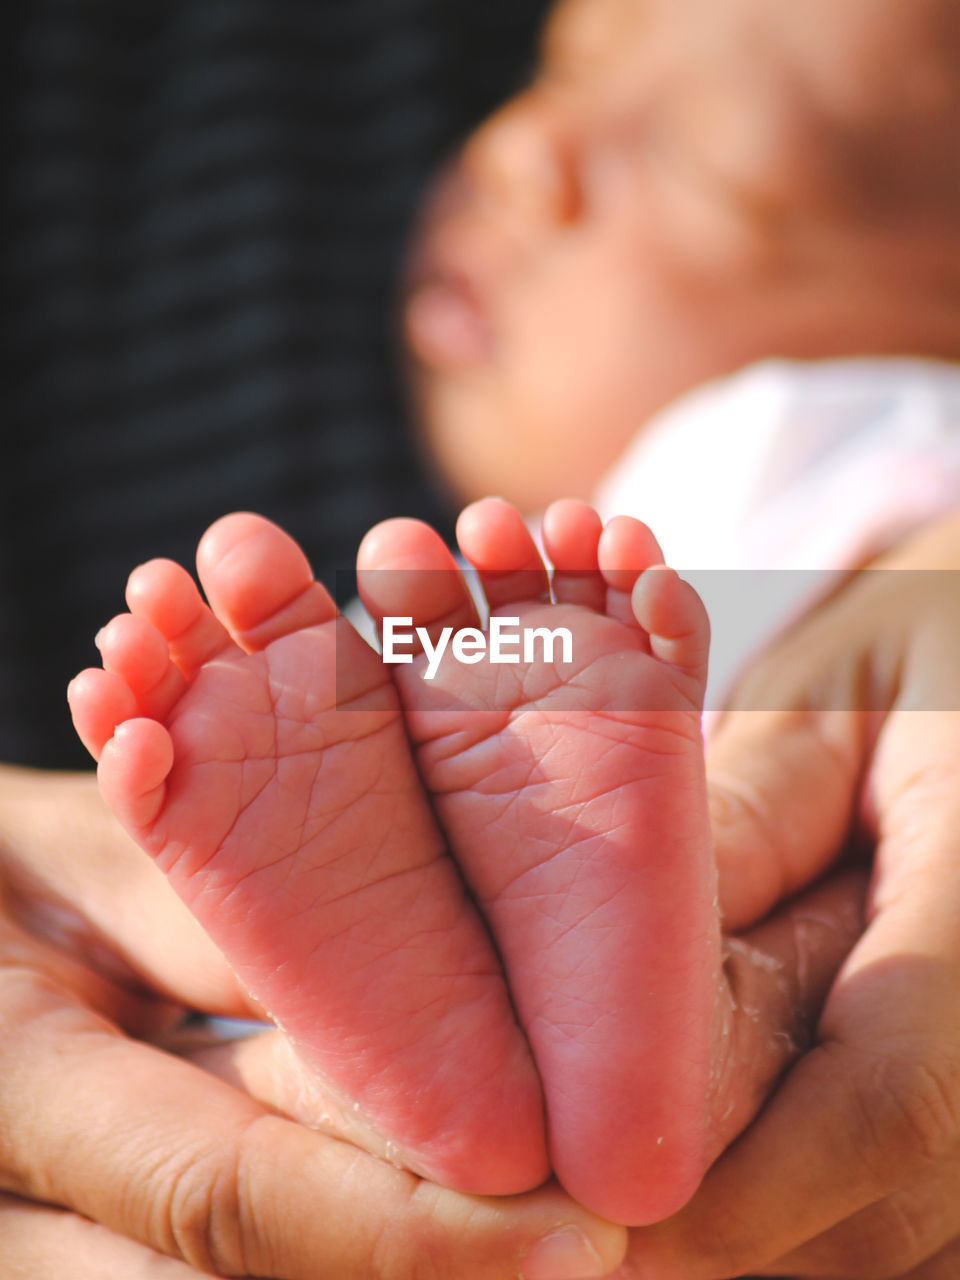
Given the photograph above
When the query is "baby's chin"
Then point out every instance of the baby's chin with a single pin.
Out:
(479, 440)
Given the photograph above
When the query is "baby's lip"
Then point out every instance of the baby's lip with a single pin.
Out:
(446, 306)
(445, 323)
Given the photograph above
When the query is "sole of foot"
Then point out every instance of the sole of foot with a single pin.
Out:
(573, 795)
(255, 748)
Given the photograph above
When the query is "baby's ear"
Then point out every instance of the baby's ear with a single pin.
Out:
(525, 160)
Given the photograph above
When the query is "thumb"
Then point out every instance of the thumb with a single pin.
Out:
(157, 1151)
(782, 789)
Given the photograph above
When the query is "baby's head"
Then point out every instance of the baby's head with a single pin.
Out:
(685, 186)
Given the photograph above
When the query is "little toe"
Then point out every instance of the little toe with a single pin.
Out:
(135, 651)
(406, 570)
(163, 593)
(99, 701)
(133, 770)
(674, 618)
(626, 548)
(571, 534)
(259, 582)
(495, 539)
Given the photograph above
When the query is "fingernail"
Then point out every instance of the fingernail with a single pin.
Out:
(566, 1254)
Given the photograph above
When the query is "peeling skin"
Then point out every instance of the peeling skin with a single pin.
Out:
(267, 1065)
(767, 964)
(761, 959)
(315, 1103)
(767, 1001)
(722, 1061)
(730, 1048)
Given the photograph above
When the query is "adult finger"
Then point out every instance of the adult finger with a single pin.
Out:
(866, 1113)
(945, 1266)
(901, 1236)
(155, 1150)
(73, 878)
(139, 1014)
(39, 1242)
(789, 755)
(912, 793)
(783, 793)
(875, 1106)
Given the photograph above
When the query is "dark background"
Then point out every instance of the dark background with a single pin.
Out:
(204, 204)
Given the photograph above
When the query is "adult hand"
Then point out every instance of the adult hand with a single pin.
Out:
(853, 1168)
(121, 1160)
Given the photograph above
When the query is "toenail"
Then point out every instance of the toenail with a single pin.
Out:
(566, 1254)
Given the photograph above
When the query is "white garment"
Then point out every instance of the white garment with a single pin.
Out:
(789, 466)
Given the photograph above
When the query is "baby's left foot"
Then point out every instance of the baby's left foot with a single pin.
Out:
(573, 794)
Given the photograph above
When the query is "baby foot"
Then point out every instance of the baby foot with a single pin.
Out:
(276, 789)
(574, 798)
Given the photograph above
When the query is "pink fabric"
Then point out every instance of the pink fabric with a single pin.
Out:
(808, 467)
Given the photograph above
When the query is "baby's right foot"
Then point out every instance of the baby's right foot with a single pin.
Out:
(276, 790)
(574, 798)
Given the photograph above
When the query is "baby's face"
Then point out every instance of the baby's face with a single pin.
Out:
(580, 264)
(685, 186)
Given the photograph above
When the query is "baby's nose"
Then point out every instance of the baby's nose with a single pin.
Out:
(521, 163)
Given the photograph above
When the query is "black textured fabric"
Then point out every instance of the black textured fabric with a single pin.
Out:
(204, 203)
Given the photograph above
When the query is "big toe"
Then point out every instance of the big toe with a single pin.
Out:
(259, 581)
